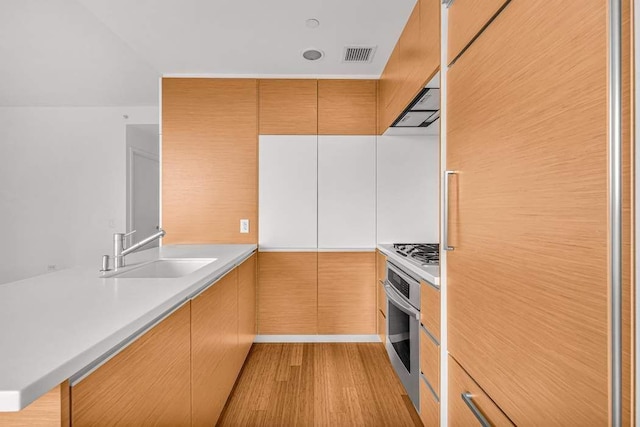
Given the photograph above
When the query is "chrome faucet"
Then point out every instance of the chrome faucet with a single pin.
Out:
(119, 252)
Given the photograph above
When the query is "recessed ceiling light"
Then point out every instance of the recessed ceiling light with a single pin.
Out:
(312, 23)
(312, 54)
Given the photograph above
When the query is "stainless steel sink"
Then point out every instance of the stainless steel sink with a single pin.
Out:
(163, 269)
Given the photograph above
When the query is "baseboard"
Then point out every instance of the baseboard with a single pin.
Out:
(315, 338)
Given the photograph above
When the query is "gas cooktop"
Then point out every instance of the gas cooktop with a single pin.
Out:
(420, 253)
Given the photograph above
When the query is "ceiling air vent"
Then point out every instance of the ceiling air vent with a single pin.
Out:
(362, 54)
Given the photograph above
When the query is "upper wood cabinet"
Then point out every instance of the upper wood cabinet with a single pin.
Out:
(209, 160)
(288, 107)
(527, 281)
(412, 64)
(467, 18)
(347, 293)
(147, 383)
(347, 107)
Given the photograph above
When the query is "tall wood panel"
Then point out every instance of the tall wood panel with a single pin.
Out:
(466, 19)
(528, 277)
(288, 107)
(287, 293)
(347, 107)
(247, 302)
(209, 160)
(147, 383)
(347, 293)
(49, 410)
(214, 349)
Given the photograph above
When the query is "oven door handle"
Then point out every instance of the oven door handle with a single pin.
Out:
(399, 302)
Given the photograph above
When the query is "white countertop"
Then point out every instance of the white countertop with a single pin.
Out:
(55, 325)
(430, 273)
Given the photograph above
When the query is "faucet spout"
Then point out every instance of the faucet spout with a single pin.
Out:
(143, 242)
(119, 251)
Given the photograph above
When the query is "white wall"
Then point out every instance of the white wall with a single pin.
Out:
(407, 175)
(62, 185)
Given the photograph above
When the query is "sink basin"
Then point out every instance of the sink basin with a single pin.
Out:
(165, 268)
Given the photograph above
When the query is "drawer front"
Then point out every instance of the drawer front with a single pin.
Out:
(430, 308)
(429, 407)
(460, 413)
(466, 19)
(382, 327)
(430, 361)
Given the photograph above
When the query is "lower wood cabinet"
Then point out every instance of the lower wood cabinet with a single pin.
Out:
(215, 350)
(382, 327)
(147, 383)
(247, 325)
(465, 394)
(346, 293)
(429, 406)
(430, 360)
(287, 293)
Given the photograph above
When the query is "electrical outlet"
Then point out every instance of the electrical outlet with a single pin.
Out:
(52, 267)
(244, 225)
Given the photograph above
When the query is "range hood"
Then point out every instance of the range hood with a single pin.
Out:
(422, 111)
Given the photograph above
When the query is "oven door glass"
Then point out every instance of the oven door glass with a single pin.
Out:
(399, 334)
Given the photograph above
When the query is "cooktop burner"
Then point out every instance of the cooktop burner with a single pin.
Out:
(422, 253)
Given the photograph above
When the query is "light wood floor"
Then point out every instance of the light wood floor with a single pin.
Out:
(318, 385)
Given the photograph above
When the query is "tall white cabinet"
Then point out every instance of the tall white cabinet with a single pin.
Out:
(346, 192)
(288, 200)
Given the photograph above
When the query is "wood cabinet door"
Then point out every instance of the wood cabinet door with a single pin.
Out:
(347, 107)
(288, 293)
(145, 384)
(467, 18)
(527, 280)
(288, 107)
(346, 192)
(346, 293)
(214, 349)
(247, 302)
(288, 192)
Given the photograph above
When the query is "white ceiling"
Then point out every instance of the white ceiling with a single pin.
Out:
(111, 52)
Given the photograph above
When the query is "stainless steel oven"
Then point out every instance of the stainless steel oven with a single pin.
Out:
(403, 326)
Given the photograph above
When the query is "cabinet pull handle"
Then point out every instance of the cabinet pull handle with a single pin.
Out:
(467, 397)
(445, 214)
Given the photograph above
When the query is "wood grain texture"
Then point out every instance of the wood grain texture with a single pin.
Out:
(467, 18)
(209, 160)
(49, 410)
(413, 62)
(288, 107)
(146, 384)
(430, 309)
(459, 413)
(288, 293)
(381, 275)
(382, 326)
(429, 407)
(247, 303)
(318, 385)
(430, 361)
(528, 277)
(214, 349)
(347, 293)
(347, 107)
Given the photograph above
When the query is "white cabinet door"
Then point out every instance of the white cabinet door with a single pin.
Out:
(288, 192)
(346, 192)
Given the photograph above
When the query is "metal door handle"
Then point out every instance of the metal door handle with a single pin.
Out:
(445, 214)
(393, 296)
(468, 399)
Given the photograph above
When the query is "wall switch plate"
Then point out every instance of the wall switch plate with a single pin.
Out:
(244, 225)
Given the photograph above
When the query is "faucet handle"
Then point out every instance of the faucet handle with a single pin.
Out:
(129, 233)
